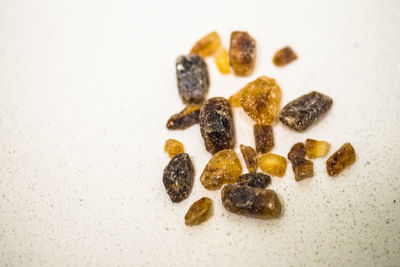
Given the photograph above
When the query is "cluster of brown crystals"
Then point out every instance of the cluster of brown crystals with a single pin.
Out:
(244, 194)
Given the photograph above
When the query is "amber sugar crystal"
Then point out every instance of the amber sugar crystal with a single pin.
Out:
(284, 56)
(344, 157)
(223, 168)
(260, 99)
(250, 157)
(316, 149)
(207, 45)
(234, 99)
(264, 138)
(199, 211)
(273, 164)
(242, 53)
(173, 147)
(221, 58)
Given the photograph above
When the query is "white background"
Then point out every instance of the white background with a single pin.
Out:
(86, 88)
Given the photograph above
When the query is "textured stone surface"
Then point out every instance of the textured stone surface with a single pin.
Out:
(264, 138)
(250, 157)
(216, 124)
(207, 45)
(342, 158)
(221, 59)
(251, 201)
(223, 168)
(192, 78)
(260, 99)
(302, 112)
(199, 212)
(316, 149)
(173, 147)
(272, 164)
(242, 53)
(284, 56)
(184, 119)
(178, 177)
(259, 180)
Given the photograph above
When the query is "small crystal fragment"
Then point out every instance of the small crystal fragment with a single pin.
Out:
(242, 53)
(284, 56)
(341, 159)
(297, 152)
(259, 179)
(264, 138)
(303, 168)
(216, 124)
(316, 149)
(234, 100)
(178, 177)
(250, 158)
(272, 164)
(184, 119)
(199, 211)
(221, 59)
(192, 78)
(254, 202)
(173, 147)
(305, 110)
(223, 168)
(260, 99)
(207, 45)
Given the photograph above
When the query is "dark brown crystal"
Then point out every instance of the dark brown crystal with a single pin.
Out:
(192, 78)
(259, 180)
(297, 151)
(305, 110)
(184, 119)
(264, 138)
(178, 177)
(302, 167)
(251, 201)
(216, 124)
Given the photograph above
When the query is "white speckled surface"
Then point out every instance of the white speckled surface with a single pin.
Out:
(87, 86)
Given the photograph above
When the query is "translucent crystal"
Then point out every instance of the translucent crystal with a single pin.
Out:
(207, 45)
(173, 147)
(261, 99)
(223, 168)
(284, 56)
(199, 211)
(242, 53)
(272, 164)
(250, 157)
(341, 159)
(259, 179)
(315, 149)
(221, 59)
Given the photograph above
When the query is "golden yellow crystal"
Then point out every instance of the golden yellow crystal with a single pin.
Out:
(221, 59)
(316, 149)
(272, 164)
(261, 99)
(223, 168)
(199, 211)
(173, 147)
(207, 45)
(235, 99)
